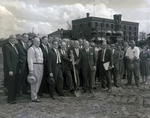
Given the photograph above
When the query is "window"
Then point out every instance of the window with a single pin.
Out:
(129, 27)
(96, 24)
(124, 32)
(89, 24)
(124, 27)
(130, 33)
(107, 25)
(73, 26)
(112, 26)
(134, 33)
(134, 28)
(120, 26)
(80, 25)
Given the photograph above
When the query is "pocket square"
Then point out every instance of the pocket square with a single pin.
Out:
(91, 53)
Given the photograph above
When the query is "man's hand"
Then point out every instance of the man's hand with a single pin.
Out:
(10, 73)
(51, 74)
(94, 68)
(19, 71)
(31, 72)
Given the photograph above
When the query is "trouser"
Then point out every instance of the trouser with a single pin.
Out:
(12, 86)
(136, 75)
(88, 78)
(38, 74)
(114, 73)
(105, 76)
(59, 80)
(44, 84)
(68, 78)
(22, 82)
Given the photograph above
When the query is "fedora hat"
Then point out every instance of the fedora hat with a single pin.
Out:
(51, 81)
(31, 79)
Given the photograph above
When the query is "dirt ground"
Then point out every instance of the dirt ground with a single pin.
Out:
(122, 102)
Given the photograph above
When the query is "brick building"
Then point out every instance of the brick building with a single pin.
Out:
(112, 29)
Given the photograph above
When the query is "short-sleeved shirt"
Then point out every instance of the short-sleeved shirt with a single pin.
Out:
(131, 53)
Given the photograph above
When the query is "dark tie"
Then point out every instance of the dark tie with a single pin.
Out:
(102, 54)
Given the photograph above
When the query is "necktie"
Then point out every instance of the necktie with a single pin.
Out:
(102, 55)
(46, 48)
(58, 57)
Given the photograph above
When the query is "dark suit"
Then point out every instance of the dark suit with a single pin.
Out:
(77, 59)
(55, 68)
(66, 70)
(23, 66)
(114, 71)
(105, 74)
(4, 63)
(44, 84)
(12, 64)
(87, 63)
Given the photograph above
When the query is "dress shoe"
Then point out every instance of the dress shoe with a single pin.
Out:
(85, 91)
(116, 85)
(40, 94)
(128, 84)
(137, 85)
(26, 93)
(36, 100)
(12, 102)
(94, 88)
(53, 97)
(109, 90)
(17, 99)
(90, 91)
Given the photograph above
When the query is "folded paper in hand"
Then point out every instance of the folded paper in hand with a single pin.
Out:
(106, 65)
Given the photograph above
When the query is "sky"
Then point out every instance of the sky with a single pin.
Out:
(47, 16)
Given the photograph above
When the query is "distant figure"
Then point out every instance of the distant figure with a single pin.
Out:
(144, 65)
(35, 64)
(105, 56)
(12, 68)
(132, 55)
(88, 66)
(22, 47)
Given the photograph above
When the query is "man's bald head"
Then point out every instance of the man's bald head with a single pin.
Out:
(13, 39)
(76, 44)
(36, 42)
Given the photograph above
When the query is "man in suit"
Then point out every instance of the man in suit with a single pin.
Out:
(65, 66)
(76, 55)
(105, 56)
(45, 50)
(88, 66)
(12, 68)
(114, 72)
(50, 39)
(22, 47)
(54, 69)
(4, 65)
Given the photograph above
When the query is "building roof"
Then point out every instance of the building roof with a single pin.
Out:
(101, 19)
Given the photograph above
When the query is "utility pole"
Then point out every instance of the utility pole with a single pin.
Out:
(32, 30)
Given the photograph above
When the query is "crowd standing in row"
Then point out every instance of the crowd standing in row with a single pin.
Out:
(50, 65)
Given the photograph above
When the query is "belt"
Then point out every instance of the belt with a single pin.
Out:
(37, 63)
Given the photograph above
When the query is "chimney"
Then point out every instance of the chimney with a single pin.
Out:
(87, 14)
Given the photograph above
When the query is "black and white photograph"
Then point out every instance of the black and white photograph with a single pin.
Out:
(74, 58)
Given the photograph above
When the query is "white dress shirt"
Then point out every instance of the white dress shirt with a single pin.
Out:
(35, 55)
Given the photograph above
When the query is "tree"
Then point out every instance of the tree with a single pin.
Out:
(142, 35)
(69, 25)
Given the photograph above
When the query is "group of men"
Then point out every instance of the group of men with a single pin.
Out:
(55, 65)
